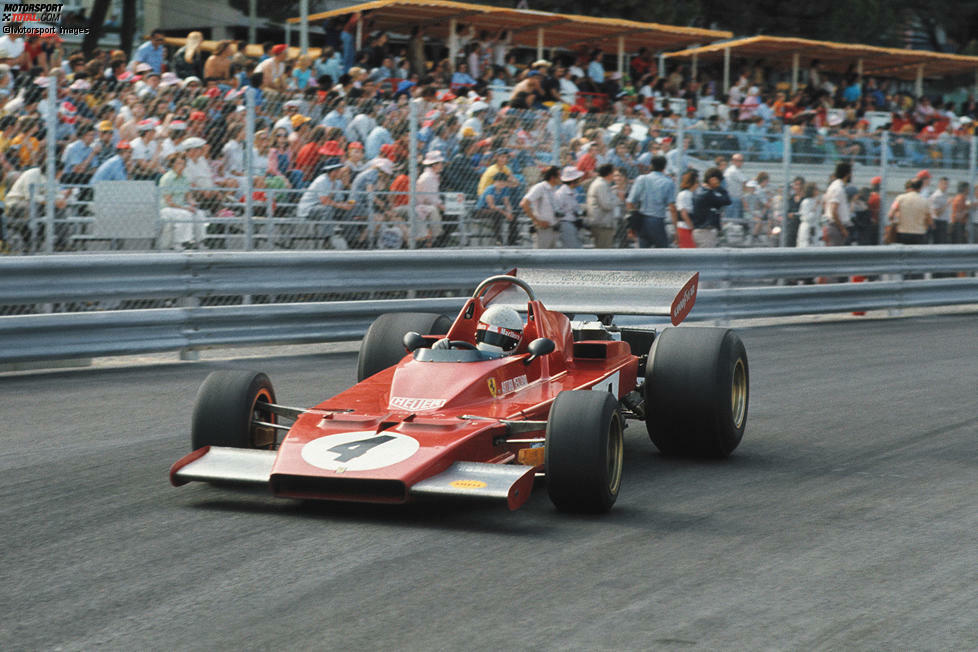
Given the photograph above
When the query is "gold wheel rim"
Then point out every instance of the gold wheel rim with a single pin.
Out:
(738, 393)
(616, 454)
(262, 436)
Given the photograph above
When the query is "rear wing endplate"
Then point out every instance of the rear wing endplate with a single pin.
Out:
(597, 292)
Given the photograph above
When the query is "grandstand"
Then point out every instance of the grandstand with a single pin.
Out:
(389, 131)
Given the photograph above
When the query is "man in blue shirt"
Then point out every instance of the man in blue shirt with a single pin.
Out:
(377, 138)
(79, 156)
(115, 168)
(494, 208)
(651, 197)
(151, 52)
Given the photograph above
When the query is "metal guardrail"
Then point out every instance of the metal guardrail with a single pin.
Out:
(190, 277)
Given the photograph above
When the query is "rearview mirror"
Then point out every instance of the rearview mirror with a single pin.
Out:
(413, 340)
(538, 347)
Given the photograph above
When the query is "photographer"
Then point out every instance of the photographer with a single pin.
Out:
(568, 210)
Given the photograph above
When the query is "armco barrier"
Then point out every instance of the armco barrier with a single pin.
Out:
(739, 283)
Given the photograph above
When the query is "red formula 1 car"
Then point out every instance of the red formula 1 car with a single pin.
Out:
(435, 415)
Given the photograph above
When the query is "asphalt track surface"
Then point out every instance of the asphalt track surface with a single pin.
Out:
(847, 519)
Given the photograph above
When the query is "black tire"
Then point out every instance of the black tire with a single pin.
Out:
(697, 387)
(383, 345)
(585, 451)
(225, 408)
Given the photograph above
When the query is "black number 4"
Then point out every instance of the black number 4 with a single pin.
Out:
(353, 449)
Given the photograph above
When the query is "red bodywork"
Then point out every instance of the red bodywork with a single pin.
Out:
(455, 411)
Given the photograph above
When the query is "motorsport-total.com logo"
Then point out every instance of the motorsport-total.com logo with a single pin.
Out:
(15, 15)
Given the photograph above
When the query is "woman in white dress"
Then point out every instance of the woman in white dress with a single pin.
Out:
(809, 225)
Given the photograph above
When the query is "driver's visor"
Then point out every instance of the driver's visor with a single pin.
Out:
(504, 338)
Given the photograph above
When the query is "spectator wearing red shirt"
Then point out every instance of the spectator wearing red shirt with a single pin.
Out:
(874, 202)
(307, 158)
(641, 64)
(400, 186)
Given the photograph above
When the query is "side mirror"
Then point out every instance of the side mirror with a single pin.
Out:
(413, 340)
(538, 347)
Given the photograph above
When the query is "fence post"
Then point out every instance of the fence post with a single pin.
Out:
(52, 185)
(680, 150)
(555, 113)
(884, 204)
(972, 164)
(249, 149)
(786, 171)
(413, 172)
(32, 218)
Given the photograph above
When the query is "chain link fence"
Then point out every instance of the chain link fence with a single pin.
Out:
(165, 164)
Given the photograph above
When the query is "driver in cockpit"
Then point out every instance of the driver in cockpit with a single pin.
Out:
(500, 330)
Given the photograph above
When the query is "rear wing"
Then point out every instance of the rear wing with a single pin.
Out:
(596, 292)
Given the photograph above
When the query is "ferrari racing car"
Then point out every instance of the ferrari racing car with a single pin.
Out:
(481, 406)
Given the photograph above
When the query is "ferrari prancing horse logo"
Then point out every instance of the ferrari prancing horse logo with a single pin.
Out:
(493, 387)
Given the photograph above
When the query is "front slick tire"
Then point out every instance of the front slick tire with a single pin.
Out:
(225, 408)
(696, 392)
(584, 451)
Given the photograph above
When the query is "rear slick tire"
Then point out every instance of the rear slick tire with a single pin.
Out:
(584, 451)
(697, 388)
(383, 345)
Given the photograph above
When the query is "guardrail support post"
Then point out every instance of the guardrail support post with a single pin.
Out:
(190, 355)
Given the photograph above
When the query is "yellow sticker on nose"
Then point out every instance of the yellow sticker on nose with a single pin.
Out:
(469, 484)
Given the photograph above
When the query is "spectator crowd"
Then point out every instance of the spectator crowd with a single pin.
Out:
(560, 153)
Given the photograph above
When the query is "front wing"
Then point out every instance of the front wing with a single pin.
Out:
(511, 483)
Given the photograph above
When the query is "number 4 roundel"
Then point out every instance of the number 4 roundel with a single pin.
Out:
(359, 451)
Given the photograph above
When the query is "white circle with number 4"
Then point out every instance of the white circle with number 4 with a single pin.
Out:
(359, 451)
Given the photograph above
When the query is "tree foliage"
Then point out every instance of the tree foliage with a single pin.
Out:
(872, 22)
(272, 10)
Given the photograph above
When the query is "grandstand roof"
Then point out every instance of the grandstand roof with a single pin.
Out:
(562, 30)
(877, 61)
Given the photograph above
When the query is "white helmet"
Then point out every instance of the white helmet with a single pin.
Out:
(500, 330)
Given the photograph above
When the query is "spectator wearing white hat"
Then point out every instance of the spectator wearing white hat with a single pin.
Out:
(323, 201)
(199, 172)
(183, 222)
(176, 134)
(368, 207)
(146, 151)
(474, 121)
(568, 208)
(290, 108)
(429, 205)
(540, 206)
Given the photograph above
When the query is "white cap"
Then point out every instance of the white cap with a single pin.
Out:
(192, 143)
(384, 165)
(432, 157)
(570, 173)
